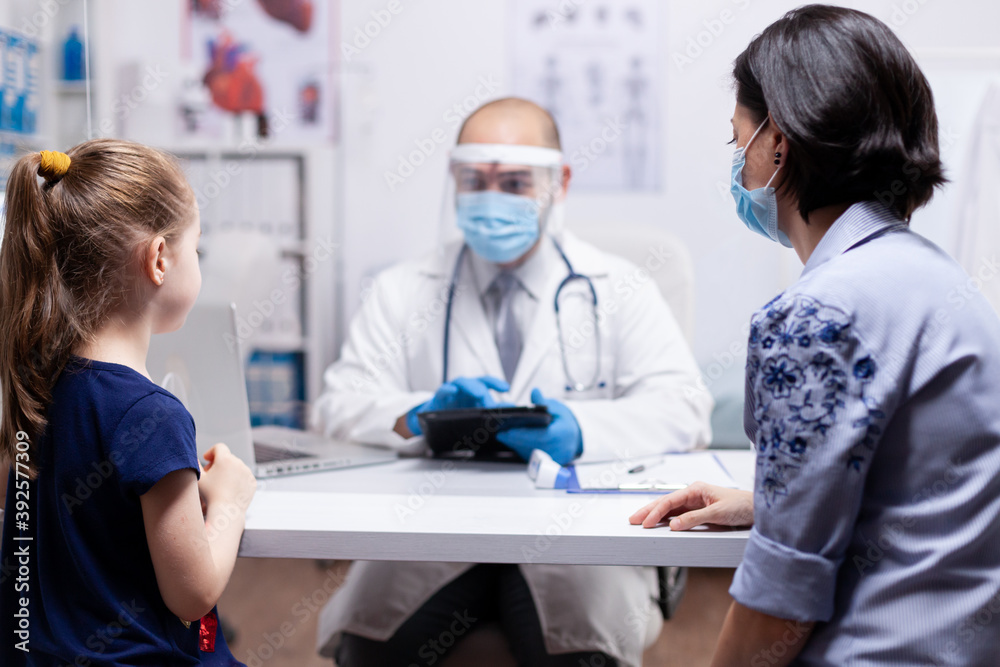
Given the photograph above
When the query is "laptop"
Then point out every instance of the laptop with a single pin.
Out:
(201, 364)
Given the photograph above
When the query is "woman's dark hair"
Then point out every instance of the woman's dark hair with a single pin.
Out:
(71, 253)
(856, 110)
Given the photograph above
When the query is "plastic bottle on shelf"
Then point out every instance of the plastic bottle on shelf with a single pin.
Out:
(73, 57)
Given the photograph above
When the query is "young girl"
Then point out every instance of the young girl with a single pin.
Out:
(107, 556)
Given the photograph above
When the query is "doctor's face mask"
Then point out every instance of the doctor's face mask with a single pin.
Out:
(502, 196)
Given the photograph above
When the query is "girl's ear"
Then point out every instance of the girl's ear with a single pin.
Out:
(155, 261)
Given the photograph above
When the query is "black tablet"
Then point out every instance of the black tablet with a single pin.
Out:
(470, 433)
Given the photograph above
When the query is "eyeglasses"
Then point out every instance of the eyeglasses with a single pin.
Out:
(512, 179)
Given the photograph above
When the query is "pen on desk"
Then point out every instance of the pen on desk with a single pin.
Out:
(642, 466)
(648, 486)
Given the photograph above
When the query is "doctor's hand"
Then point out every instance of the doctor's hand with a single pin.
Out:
(459, 393)
(561, 439)
(698, 504)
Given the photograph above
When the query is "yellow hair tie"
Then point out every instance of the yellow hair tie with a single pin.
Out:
(53, 165)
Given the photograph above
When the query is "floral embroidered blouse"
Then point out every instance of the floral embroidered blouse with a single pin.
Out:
(873, 401)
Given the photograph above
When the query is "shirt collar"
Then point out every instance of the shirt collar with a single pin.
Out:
(857, 224)
(532, 274)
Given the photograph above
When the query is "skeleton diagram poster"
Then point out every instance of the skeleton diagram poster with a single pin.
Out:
(595, 65)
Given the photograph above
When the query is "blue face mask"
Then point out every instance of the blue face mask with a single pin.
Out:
(758, 209)
(499, 227)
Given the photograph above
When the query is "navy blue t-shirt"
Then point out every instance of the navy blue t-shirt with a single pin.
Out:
(91, 589)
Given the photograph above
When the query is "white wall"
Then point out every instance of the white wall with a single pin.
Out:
(432, 55)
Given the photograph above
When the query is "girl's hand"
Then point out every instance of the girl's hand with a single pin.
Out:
(226, 479)
(698, 504)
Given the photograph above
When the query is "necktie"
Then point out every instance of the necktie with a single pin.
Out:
(508, 336)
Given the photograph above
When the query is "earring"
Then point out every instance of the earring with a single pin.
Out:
(777, 158)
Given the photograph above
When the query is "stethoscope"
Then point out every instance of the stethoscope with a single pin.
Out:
(571, 277)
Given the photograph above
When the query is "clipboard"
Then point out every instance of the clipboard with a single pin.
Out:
(655, 475)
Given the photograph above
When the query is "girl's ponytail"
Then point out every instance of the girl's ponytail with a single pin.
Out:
(68, 259)
(37, 323)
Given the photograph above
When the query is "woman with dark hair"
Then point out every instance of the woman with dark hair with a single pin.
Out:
(872, 383)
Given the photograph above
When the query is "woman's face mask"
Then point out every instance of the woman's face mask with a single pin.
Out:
(758, 208)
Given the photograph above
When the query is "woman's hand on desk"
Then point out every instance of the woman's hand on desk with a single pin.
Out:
(698, 504)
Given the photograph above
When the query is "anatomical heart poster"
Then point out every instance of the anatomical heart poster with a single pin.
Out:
(265, 67)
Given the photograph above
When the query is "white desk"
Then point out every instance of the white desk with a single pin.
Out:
(429, 510)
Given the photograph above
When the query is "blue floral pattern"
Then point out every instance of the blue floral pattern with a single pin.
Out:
(805, 369)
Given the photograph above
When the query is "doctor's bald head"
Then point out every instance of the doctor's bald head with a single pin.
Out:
(511, 120)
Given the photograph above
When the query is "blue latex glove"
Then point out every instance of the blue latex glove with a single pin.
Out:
(561, 439)
(459, 393)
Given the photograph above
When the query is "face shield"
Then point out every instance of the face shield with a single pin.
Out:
(501, 198)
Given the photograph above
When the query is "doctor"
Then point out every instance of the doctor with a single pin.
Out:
(475, 324)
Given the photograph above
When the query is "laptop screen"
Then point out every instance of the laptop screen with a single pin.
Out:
(202, 365)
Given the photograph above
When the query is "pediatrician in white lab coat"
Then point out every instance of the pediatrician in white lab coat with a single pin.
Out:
(628, 388)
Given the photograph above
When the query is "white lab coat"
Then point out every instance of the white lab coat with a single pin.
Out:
(653, 401)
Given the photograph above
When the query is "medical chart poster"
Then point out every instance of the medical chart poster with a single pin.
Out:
(270, 59)
(596, 67)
